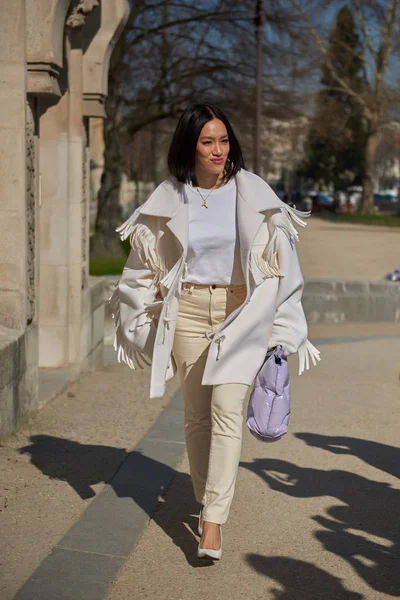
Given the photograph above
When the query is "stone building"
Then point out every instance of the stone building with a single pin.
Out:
(54, 57)
(283, 144)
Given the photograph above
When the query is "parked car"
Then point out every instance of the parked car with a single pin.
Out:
(353, 194)
(322, 202)
(386, 202)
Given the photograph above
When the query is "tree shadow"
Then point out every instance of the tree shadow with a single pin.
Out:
(378, 455)
(130, 474)
(301, 580)
(364, 529)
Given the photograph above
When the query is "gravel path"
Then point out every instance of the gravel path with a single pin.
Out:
(341, 251)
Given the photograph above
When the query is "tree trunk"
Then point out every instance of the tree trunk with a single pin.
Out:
(105, 243)
(366, 206)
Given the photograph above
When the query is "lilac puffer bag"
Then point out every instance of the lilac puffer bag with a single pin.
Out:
(269, 405)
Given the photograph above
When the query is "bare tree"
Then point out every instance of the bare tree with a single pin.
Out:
(175, 52)
(167, 57)
(379, 27)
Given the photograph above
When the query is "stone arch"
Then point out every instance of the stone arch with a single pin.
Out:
(45, 21)
(43, 134)
(100, 34)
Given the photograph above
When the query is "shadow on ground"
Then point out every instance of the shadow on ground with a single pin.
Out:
(299, 580)
(381, 456)
(85, 465)
(80, 465)
(363, 529)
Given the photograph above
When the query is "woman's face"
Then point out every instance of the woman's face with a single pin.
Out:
(212, 148)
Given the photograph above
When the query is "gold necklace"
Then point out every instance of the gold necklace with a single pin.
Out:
(206, 198)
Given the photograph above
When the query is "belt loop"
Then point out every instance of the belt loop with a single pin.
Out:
(188, 286)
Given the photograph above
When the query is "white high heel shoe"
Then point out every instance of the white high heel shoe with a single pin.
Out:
(208, 552)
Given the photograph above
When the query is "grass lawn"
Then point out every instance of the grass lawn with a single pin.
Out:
(382, 220)
(107, 266)
(110, 266)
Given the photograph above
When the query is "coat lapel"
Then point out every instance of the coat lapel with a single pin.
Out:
(167, 201)
(253, 197)
(179, 225)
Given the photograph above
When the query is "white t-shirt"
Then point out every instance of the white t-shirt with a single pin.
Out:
(213, 249)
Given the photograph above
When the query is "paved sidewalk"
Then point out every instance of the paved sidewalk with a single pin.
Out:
(315, 515)
(53, 468)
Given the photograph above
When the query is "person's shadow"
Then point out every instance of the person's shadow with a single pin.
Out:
(80, 465)
(364, 528)
(382, 456)
(85, 465)
(301, 580)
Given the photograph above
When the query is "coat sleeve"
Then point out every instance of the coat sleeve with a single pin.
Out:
(290, 326)
(134, 298)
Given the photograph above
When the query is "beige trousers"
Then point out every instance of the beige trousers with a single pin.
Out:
(213, 414)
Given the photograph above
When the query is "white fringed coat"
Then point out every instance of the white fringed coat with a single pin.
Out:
(145, 302)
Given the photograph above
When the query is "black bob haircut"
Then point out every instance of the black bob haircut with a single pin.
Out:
(182, 151)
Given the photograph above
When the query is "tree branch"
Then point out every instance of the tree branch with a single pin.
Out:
(184, 21)
(342, 83)
(365, 31)
(386, 41)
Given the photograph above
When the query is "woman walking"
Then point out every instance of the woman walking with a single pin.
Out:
(212, 282)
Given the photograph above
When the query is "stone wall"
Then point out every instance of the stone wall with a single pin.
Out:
(54, 57)
(18, 192)
(335, 301)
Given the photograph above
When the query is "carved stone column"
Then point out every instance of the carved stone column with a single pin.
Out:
(101, 32)
(54, 230)
(13, 248)
(44, 38)
(76, 183)
(63, 218)
(18, 210)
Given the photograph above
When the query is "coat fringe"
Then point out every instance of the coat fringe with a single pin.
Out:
(144, 242)
(126, 229)
(267, 264)
(169, 278)
(307, 351)
(125, 351)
